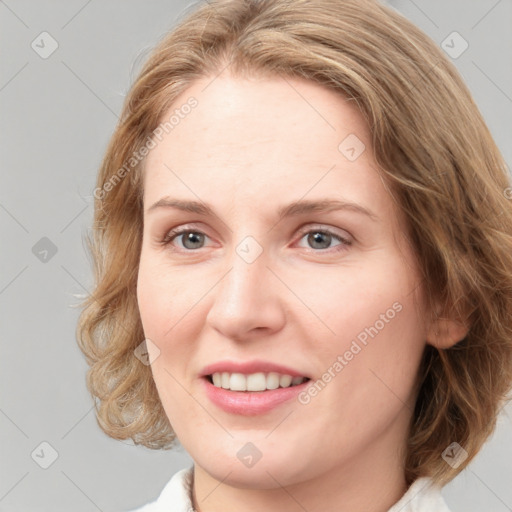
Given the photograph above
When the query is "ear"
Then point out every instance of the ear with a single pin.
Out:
(446, 332)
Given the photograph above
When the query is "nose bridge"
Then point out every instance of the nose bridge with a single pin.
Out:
(247, 262)
(244, 299)
(241, 287)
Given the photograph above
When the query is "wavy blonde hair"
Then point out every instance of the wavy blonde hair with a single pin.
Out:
(434, 150)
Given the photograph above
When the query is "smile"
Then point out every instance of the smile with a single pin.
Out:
(249, 388)
(254, 382)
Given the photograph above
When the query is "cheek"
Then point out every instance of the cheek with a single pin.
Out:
(169, 301)
(163, 306)
(375, 339)
(165, 298)
(361, 301)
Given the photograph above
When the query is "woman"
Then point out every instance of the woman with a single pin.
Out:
(303, 250)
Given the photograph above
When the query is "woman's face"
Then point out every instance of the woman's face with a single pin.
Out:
(246, 297)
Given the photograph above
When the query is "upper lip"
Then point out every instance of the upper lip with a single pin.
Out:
(248, 367)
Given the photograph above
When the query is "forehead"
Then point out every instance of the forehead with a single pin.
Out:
(292, 115)
(277, 138)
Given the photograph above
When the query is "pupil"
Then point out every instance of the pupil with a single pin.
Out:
(190, 238)
(317, 238)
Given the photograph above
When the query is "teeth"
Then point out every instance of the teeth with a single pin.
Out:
(285, 381)
(217, 380)
(237, 382)
(255, 381)
(297, 380)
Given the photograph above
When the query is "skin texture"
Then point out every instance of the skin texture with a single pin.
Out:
(249, 147)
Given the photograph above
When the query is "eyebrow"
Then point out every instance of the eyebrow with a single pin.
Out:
(293, 209)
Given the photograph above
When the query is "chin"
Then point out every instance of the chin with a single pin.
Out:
(241, 466)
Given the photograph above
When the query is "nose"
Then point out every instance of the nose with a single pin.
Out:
(248, 300)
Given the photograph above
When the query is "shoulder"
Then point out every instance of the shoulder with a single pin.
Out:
(422, 496)
(175, 496)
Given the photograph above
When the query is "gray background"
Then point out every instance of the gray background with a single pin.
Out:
(57, 114)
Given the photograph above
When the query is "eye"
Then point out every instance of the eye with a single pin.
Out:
(320, 239)
(191, 239)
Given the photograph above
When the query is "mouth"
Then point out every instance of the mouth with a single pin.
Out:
(252, 388)
(254, 382)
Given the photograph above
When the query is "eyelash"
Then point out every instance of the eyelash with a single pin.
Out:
(175, 233)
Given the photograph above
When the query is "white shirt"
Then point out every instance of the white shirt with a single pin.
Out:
(176, 496)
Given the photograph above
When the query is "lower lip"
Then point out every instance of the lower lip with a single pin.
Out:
(250, 403)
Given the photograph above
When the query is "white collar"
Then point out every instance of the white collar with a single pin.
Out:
(422, 496)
